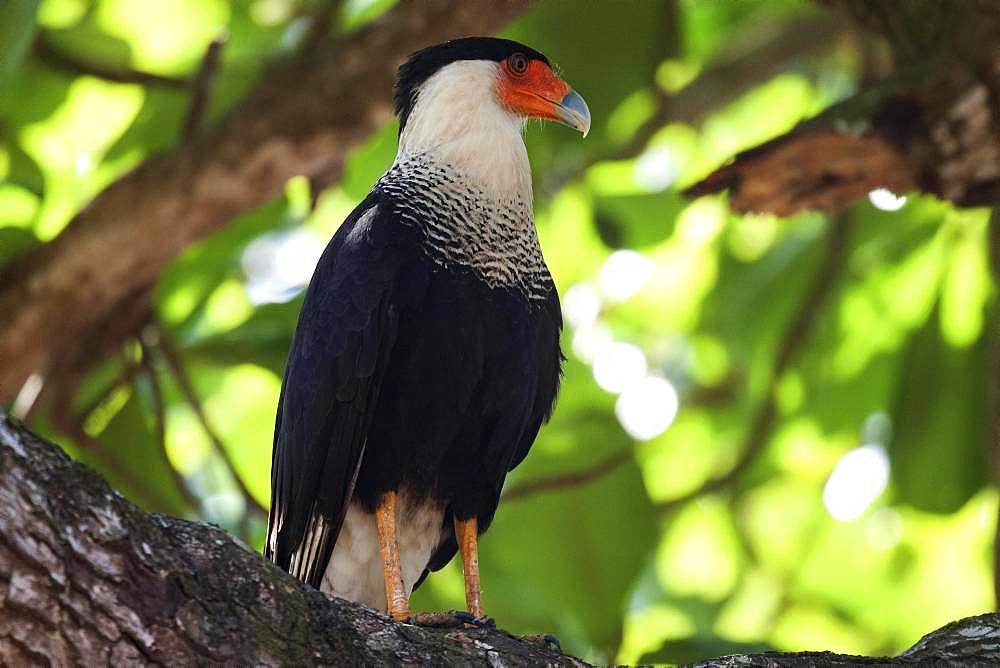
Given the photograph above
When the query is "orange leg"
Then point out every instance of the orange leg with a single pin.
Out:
(395, 596)
(467, 533)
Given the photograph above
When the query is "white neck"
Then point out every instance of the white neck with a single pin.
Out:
(457, 120)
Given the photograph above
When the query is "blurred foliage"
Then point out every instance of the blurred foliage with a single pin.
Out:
(893, 357)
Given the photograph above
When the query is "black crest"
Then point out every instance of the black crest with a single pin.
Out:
(424, 63)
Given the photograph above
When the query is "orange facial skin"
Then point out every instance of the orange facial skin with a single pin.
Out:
(535, 93)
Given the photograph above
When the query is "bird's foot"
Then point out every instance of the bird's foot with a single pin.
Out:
(451, 619)
(546, 639)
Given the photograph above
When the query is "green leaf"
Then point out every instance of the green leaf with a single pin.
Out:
(938, 455)
(18, 24)
(606, 58)
(187, 283)
(14, 242)
(128, 455)
(264, 339)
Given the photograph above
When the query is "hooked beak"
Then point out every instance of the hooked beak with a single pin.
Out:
(573, 112)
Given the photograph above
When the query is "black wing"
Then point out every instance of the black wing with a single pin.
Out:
(519, 400)
(346, 331)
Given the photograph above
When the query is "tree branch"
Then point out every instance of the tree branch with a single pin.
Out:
(573, 479)
(176, 366)
(321, 24)
(160, 426)
(722, 392)
(934, 126)
(86, 578)
(201, 94)
(302, 120)
(719, 85)
(969, 641)
(51, 55)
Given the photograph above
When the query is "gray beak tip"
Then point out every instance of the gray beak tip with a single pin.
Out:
(573, 111)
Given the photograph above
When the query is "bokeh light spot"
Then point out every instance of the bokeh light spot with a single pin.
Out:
(647, 408)
(617, 366)
(886, 200)
(624, 273)
(859, 478)
(581, 305)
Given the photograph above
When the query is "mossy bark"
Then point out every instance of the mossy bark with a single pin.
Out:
(86, 578)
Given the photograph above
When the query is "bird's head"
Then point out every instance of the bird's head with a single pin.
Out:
(468, 100)
(519, 78)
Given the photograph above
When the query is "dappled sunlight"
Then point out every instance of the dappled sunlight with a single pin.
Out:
(70, 141)
(749, 613)
(882, 308)
(700, 554)
(771, 430)
(656, 169)
(813, 627)
(966, 287)
(647, 408)
(624, 273)
(857, 480)
(886, 200)
(581, 305)
(589, 341)
(278, 265)
(618, 365)
(683, 458)
(645, 630)
(241, 408)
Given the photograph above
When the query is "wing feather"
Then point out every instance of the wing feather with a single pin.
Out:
(345, 334)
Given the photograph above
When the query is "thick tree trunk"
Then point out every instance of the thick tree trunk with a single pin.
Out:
(88, 290)
(86, 578)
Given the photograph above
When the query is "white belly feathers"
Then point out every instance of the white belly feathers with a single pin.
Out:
(355, 569)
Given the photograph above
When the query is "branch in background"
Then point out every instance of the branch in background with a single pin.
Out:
(720, 393)
(321, 24)
(301, 120)
(49, 54)
(582, 477)
(202, 94)
(172, 357)
(128, 373)
(110, 462)
(722, 83)
(795, 338)
(160, 424)
(934, 126)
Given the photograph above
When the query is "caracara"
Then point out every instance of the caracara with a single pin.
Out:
(426, 355)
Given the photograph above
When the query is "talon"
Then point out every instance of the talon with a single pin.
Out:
(479, 622)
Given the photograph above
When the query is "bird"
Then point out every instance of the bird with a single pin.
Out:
(426, 355)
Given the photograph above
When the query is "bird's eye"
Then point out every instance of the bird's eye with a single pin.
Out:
(518, 63)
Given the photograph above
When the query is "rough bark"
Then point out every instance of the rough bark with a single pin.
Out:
(934, 126)
(86, 578)
(967, 642)
(63, 304)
